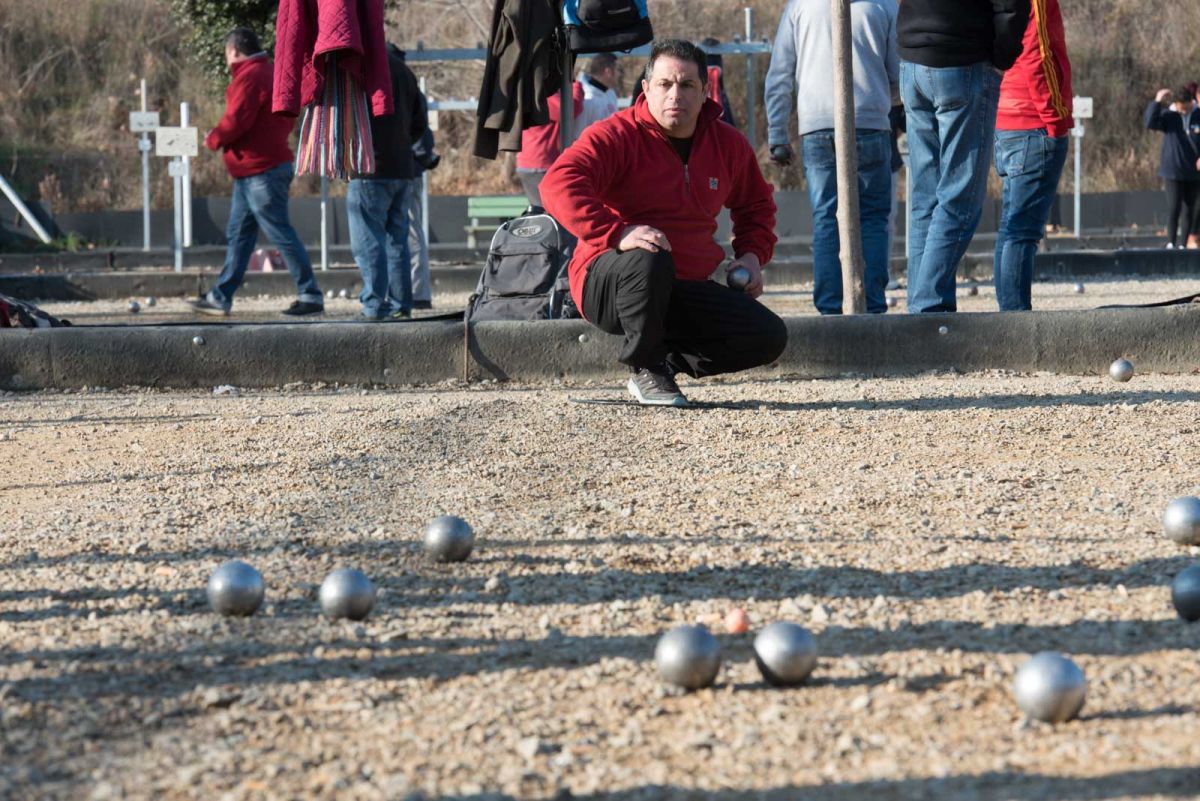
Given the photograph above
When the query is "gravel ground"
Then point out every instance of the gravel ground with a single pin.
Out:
(789, 300)
(931, 532)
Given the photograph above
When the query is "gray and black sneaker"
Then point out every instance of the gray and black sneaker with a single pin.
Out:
(655, 386)
(300, 308)
(206, 306)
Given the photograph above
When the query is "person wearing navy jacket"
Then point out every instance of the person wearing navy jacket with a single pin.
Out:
(1179, 165)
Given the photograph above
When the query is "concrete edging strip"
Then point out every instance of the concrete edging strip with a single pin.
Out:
(1163, 340)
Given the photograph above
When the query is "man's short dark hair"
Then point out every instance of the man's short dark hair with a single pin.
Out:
(600, 63)
(680, 49)
(244, 40)
(1184, 95)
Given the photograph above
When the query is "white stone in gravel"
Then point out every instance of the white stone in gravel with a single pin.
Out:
(528, 747)
(820, 614)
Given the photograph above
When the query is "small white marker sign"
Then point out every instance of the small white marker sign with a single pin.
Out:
(143, 121)
(175, 169)
(176, 142)
(1082, 108)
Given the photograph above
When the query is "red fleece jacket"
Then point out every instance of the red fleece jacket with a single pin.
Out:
(624, 172)
(306, 31)
(254, 139)
(539, 144)
(1036, 91)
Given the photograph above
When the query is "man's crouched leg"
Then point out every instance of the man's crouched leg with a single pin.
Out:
(629, 293)
(712, 329)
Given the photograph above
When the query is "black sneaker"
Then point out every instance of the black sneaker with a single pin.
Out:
(206, 306)
(423, 304)
(655, 386)
(299, 308)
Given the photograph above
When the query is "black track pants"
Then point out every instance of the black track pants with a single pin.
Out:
(699, 327)
(1181, 199)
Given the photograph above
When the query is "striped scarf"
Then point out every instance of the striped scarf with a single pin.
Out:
(335, 135)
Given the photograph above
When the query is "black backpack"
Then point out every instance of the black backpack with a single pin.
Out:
(599, 26)
(525, 276)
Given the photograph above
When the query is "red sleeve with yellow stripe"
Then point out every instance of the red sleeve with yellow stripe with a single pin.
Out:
(1045, 68)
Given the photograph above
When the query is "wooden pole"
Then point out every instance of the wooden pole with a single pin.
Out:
(846, 151)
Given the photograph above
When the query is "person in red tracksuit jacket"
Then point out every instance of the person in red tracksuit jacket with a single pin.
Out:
(539, 145)
(257, 156)
(1033, 124)
(641, 190)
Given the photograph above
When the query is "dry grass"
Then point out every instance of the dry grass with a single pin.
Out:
(69, 73)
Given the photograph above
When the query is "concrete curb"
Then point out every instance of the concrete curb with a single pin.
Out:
(1165, 340)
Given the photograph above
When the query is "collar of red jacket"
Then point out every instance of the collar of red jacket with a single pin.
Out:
(241, 65)
(710, 112)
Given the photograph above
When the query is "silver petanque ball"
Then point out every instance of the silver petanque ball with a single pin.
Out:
(343, 294)
(786, 654)
(449, 539)
(688, 656)
(151, 302)
(235, 588)
(892, 303)
(1181, 520)
(134, 307)
(1079, 290)
(197, 340)
(329, 294)
(583, 338)
(347, 593)
(943, 330)
(1185, 594)
(1050, 688)
(738, 278)
(1121, 370)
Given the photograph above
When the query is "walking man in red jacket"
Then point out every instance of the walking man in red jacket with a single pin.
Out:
(1032, 127)
(257, 155)
(642, 190)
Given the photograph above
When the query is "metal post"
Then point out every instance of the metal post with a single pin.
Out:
(1078, 137)
(425, 207)
(187, 183)
(324, 223)
(750, 101)
(24, 211)
(566, 104)
(846, 153)
(177, 173)
(144, 146)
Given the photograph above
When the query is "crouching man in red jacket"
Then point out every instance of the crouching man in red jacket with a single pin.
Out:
(642, 190)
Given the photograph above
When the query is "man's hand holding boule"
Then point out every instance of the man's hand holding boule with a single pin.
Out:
(750, 262)
(783, 155)
(644, 237)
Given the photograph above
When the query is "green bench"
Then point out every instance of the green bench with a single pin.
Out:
(488, 211)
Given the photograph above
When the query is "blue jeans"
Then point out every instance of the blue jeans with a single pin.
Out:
(1030, 163)
(261, 201)
(874, 204)
(951, 122)
(379, 240)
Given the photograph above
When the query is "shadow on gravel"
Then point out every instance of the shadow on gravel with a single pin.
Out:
(961, 402)
(236, 657)
(995, 786)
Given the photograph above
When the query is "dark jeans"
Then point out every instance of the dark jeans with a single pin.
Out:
(874, 204)
(698, 327)
(1030, 164)
(378, 217)
(261, 201)
(1181, 198)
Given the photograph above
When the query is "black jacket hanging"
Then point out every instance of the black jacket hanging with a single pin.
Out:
(523, 68)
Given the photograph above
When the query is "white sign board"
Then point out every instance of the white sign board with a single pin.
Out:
(176, 142)
(143, 121)
(1082, 108)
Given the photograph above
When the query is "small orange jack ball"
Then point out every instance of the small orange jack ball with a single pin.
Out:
(737, 621)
